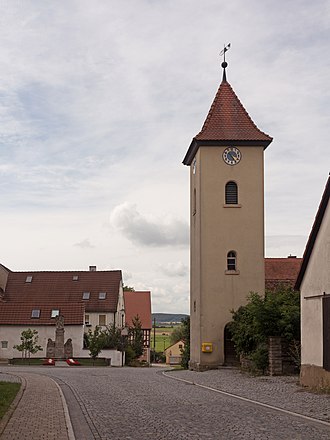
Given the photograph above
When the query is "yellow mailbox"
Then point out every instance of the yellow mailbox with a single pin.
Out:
(207, 347)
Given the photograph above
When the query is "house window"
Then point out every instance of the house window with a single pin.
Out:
(231, 193)
(231, 260)
(75, 278)
(28, 279)
(102, 320)
(102, 295)
(87, 320)
(86, 295)
(54, 313)
(180, 346)
(4, 344)
(35, 313)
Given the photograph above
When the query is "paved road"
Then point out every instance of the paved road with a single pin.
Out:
(143, 404)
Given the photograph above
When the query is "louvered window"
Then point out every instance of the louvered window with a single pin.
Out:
(231, 260)
(231, 193)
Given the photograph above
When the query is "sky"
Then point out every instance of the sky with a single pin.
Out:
(99, 102)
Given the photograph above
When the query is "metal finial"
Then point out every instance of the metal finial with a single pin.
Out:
(224, 64)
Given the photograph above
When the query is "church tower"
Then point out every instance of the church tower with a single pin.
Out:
(226, 224)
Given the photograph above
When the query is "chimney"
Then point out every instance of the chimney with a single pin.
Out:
(92, 268)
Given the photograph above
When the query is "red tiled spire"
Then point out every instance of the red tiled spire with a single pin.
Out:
(228, 120)
(227, 123)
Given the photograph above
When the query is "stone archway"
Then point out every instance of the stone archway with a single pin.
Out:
(231, 357)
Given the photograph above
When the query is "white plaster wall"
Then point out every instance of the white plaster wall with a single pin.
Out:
(94, 320)
(114, 355)
(12, 334)
(315, 282)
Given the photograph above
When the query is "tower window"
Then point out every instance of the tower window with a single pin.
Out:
(231, 193)
(231, 260)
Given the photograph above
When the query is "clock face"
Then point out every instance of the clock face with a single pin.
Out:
(232, 155)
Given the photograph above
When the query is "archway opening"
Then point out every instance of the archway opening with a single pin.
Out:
(231, 357)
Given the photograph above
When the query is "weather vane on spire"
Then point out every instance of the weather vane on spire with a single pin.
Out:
(224, 64)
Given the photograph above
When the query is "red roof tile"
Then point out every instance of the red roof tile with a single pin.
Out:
(138, 303)
(227, 123)
(20, 314)
(281, 270)
(53, 289)
(228, 120)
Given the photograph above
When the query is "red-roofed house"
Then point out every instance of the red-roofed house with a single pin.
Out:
(281, 271)
(33, 300)
(314, 284)
(139, 304)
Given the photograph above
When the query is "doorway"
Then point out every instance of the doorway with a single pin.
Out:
(231, 357)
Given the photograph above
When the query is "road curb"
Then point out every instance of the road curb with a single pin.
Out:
(5, 419)
(66, 412)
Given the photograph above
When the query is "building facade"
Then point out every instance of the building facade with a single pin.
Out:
(314, 284)
(226, 161)
(34, 299)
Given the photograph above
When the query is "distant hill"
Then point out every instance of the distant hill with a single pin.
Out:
(162, 318)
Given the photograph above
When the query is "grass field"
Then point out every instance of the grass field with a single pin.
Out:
(163, 335)
(8, 392)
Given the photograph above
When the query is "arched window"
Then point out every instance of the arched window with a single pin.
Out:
(231, 193)
(231, 260)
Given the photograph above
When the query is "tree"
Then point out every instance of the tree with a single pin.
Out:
(113, 338)
(186, 339)
(177, 333)
(29, 343)
(135, 336)
(276, 314)
(95, 342)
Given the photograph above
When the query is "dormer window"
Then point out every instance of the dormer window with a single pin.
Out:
(35, 313)
(102, 295)
(28, 279)
(54, 313)
(86, 295)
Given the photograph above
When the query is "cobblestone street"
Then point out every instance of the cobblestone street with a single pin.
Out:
(143, 404)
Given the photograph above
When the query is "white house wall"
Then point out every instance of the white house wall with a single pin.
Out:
(94, 320)
(12, 334)
(316, 281)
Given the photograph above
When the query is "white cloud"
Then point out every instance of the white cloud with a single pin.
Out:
(84, 244)
(178, 269)
(145, 231)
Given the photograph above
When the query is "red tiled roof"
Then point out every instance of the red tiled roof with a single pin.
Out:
(20, 314)
(53, 289)
(228, 120)
(282, 270)
(138, 303)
